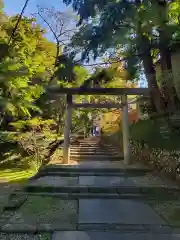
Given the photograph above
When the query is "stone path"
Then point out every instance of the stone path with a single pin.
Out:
(98, 199)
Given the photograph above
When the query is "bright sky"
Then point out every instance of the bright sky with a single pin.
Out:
(15, 6)
(12, 7)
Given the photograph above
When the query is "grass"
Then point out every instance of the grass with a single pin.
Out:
(57, 156)
(49, 211)
(13, 176)
(169, 211)
(16, 170)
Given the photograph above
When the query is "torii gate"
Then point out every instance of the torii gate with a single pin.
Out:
(123, 92)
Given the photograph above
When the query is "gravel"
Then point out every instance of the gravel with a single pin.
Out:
(5, 236)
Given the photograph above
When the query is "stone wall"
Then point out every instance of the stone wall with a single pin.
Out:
(161, 160)
(164, 161)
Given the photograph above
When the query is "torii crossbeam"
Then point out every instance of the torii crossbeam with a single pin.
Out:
(99, 91)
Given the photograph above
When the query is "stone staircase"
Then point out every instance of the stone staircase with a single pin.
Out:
(91, 150)
(97, 199)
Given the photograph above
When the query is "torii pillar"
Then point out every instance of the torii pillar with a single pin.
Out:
(67, 130)
(125, 130)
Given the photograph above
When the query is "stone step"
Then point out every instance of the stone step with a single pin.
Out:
(87, 144)
(76, 196)
(131, 233)
(157, 192)
(94, 151)
(97, 170)
(95, 157)
(81, 151)
(74, 153)
(98, 156)
(89, 148)
(78, 174)
(101, 157)
(91, 145)
(79, 159)
(97, 231)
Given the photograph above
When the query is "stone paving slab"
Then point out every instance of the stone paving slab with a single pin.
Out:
(112, 236)
(54, 181)
(102, 181)
(103, 164)
(108, 164)
(81, 173)
(126, 228)
(97, 149)
(116, 211)
(93, 150)
(138, 181)
(95, 158)
(94, 164)
(96, 155)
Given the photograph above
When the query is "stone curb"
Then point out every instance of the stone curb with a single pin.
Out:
(78, 174)
(40, 228)
(71, 196)
(121, 228)
(143, 228)
(99, 189)
(95, 170)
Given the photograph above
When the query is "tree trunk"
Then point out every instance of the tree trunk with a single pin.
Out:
(144, 51)
(167, 84)
(168, 88)
(156, 97)
(155, 94)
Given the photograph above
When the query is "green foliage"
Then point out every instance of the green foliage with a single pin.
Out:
(25, 62)
(110, 29)
(31, 121)
(24, 72)
(107, 25)
(69, 71)
(33, 124)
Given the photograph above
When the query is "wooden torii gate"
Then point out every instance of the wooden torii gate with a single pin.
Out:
(123, 92)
